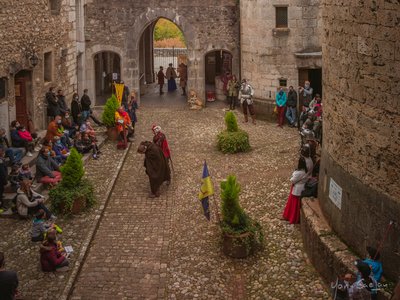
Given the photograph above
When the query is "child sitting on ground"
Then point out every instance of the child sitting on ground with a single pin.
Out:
(39, 226)
(25, 173)
(51, 258)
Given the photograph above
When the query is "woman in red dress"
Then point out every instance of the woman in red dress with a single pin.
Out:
(298, 180)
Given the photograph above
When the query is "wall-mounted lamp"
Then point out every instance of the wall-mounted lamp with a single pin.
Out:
(33, 59)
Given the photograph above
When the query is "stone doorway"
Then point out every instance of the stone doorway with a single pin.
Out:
(216, 64)
(107, 69)
(154, 53)
(23, 96)
(315, 78)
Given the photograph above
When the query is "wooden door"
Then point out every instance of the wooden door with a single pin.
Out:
(20, 85)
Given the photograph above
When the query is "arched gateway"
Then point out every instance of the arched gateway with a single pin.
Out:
(206, 25)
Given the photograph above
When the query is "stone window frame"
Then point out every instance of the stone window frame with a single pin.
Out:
(54, 6)
(48, 66)
(282, 82)
(284, 11)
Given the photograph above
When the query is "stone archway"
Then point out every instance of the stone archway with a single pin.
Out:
(90, 72)
(201, 36)
(216, 64)
(107, 69)
(151, 58)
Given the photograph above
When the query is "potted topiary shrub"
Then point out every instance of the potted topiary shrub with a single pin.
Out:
(108, 117)
(241, 234)
(233, 139)
(74, 193)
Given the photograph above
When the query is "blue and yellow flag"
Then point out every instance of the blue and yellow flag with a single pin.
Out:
(206, 190)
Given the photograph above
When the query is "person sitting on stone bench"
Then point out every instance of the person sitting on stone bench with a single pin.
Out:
(29, 202)
(18, 141)
(13, 154)
(47, 170)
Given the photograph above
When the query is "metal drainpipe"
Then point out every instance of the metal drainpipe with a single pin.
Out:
(240, 43)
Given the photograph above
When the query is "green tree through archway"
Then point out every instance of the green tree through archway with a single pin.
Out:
(168, 35)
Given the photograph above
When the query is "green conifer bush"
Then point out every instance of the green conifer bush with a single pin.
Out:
(108, 116)
(233, 139)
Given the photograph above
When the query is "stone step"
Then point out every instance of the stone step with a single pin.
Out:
(41, 188)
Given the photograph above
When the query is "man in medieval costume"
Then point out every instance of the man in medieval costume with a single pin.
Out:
(245, 95)
(171, 75)
(156, 166)
(160, 79)
(183, 77)
(160, 139)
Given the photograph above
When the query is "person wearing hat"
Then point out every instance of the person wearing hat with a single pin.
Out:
(245, 95)
(160, 139)
(171, 75)
(365, 286)
(373, 261)
(156, 166)
(160, 79)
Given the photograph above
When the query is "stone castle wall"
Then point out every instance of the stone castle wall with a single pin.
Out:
(32, 25)
(268, 53)
(118, 26)
(361, 142)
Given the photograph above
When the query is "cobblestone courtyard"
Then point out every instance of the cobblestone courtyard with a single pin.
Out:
(164, 248)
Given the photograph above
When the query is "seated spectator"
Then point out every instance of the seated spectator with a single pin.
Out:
(19, 142)
(13, 154)
(69, 126)
(13, 178)
(51, 259)
(373, 262)
(3, 175)
(365, 286)
(49, 145)
(26, 135)
(56, 128)
(87, 128)
(25, 173)
(60, 150)
(29, 202)
(53, 129)
(87, 140)
(47, 170)
(8, 281)
(39, 226)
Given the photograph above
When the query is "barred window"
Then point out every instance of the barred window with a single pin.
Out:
(282, 82)
(281, 17)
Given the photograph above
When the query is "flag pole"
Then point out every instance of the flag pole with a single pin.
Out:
(216, 210)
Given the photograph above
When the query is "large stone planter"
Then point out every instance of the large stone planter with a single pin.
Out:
(112, 133)
(238, 245)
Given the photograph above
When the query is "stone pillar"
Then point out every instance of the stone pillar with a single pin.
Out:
(360, 168)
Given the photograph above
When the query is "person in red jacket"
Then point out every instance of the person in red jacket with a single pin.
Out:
(51, 259)
(160, 140)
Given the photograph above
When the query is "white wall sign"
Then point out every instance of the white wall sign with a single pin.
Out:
(114, 76)
(335, 193)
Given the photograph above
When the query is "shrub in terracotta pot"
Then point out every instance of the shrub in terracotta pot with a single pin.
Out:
(74, 193)
(241, 235)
